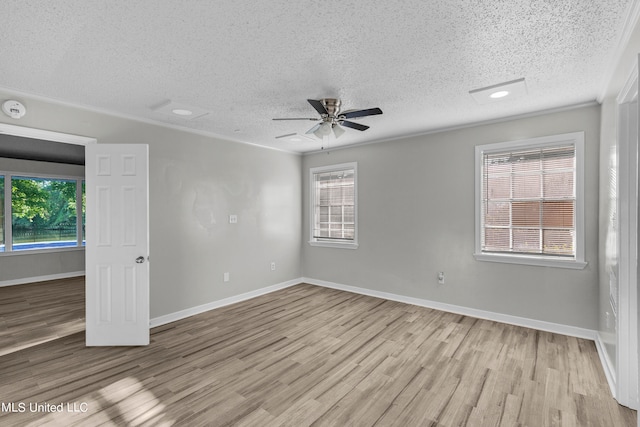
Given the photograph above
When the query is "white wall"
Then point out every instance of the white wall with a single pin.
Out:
(195, 183)
(416, 217)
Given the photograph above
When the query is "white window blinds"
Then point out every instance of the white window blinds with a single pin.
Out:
(529, 201)
(334, 205)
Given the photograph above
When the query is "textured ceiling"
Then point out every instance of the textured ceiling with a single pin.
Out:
(246, 62)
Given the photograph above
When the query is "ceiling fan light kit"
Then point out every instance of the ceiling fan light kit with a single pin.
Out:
(322, 130)
(332, 120)
(337, 130)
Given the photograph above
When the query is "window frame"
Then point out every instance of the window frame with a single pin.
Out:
(575, 262)
(331, 242)
(8, 213)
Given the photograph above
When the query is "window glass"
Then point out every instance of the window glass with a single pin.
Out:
(43, 213)
(333, 211)
(528, 202)
(335, 205)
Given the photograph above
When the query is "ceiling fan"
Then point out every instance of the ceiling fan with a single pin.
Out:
(332, 119)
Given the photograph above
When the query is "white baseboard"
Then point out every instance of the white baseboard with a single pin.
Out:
(458, 309)
(607, 366)
(541, 325)
(35, 279)
(182, 314)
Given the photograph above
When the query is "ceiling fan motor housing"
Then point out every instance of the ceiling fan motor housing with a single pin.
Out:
(332, 105)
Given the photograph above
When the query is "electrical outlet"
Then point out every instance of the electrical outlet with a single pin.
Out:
(441, 278)
(233, 219)
(273, 266)
(226, 277)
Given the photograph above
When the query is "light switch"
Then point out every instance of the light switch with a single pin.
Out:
(233, 219)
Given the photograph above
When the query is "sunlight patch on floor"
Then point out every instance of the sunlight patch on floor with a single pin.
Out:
(124, 402)
(46, 334)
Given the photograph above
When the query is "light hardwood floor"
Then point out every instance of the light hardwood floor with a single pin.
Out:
(313, 356)
(39, 312)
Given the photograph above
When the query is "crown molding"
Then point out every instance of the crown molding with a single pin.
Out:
(462, 126)
(632, 19)
(18, 93)
(629, 91)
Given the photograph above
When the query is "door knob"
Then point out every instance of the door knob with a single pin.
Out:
(140, 260)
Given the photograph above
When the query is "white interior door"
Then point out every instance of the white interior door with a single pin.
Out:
(628, 208)
(117, 236)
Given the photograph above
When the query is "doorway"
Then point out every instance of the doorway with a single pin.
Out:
(50, 164)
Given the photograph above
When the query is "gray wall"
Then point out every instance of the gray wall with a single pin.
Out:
(18, 266)
(195, 183)
(416, 217)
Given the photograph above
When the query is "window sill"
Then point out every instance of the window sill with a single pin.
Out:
(333, 244)
(532, 260)
(42, 251)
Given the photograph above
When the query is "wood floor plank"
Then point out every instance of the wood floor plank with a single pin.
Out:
(300, 356)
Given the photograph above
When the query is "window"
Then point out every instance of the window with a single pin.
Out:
(333, 206)
(41, 213)
(529, 201)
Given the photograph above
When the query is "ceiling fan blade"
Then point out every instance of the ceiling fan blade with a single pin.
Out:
(296, 118)
(318, 106)
(353, 125)
(315, 128)
(361, 113)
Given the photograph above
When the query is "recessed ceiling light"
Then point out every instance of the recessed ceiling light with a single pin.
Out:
(182, 112)
(499, 92)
